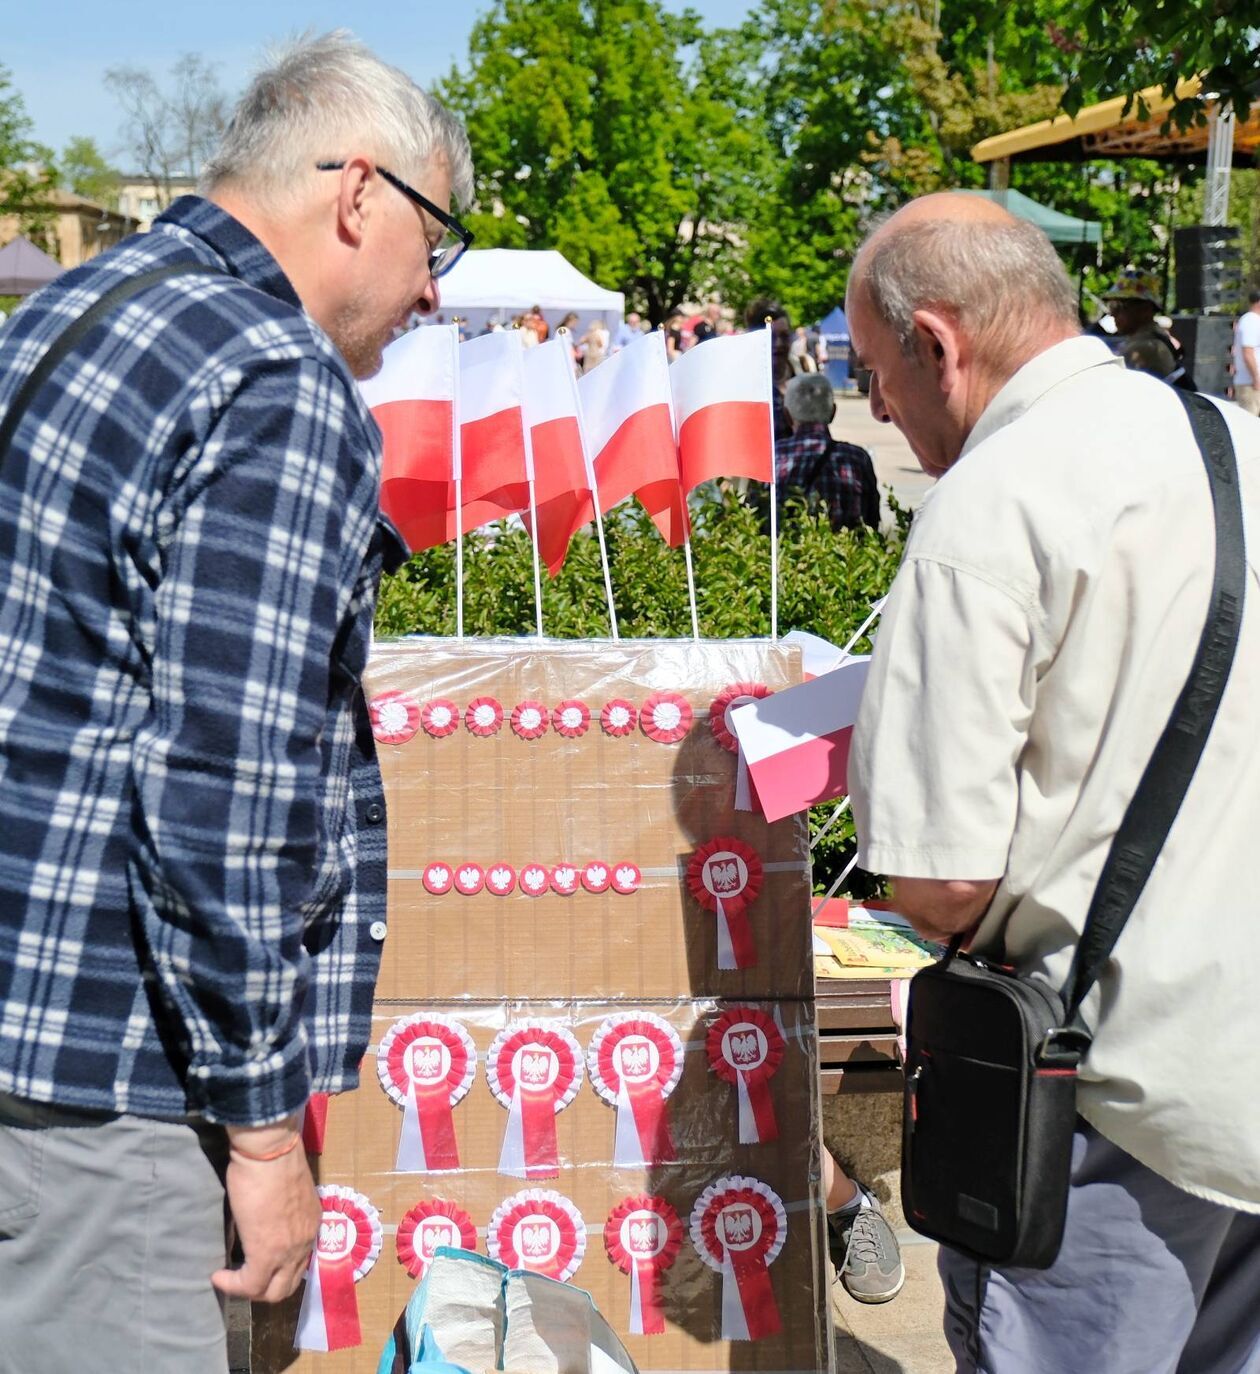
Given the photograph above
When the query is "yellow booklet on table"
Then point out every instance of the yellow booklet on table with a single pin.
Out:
(869, 948)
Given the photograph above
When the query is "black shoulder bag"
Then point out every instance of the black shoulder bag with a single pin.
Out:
(992, 1057)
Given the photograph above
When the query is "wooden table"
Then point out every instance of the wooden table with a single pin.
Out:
(857, 1038)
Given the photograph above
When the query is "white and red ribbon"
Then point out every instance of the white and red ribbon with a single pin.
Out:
(439, 718)
(314, 1123)
(426, 1064)
(618, 718)
(724, 876)
(665, 717)
(539, 1230)
(745, 1048)
(428, 1226)
(643, 1235)
(483, 717)
(738, 1227)
(395, 717)
(635, 1061)
(349, 1242)
(534, 1068)
(529, 720)
(737, 694)
(572, 719)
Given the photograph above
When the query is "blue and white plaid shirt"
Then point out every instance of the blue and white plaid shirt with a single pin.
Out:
(192, 847)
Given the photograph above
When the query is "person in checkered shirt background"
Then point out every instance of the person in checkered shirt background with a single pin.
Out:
(831, 474)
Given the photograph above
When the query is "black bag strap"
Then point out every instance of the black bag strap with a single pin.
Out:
(1162, 788)
(70, 336)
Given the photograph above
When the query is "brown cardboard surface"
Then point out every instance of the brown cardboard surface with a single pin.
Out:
(362, 1138)
(552, 800)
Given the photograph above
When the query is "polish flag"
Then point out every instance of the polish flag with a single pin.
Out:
(627, 409)
(412, 399)
(722, 404)
(562, 483)
(493, 455)
(796, 742)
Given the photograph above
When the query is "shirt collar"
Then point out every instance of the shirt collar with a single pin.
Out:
(809, 427)
(1042, 374)
(244, 255)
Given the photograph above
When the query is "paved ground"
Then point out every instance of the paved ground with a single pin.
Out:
(895, 465)
(898, 1337)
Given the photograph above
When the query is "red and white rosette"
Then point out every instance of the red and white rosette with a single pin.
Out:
(738, 1227)
(539, 1230)
(635, 1061)
(737, 694)
(483, 717)
(618, 718)
(395, 717)
(426, 1063)
(426, 1227)
(349, 1242)
(745, 1048)
(725, 876)
(665, 717)
(572, 719)
(439, 718)
(529, 720)
(314, 1123)
(534, 1068)
(643, 1236)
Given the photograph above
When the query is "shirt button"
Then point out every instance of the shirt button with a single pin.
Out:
(377, 930)
(374, 815)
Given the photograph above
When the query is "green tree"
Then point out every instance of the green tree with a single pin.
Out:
(27, 175)
(85, 171)
(604, 128)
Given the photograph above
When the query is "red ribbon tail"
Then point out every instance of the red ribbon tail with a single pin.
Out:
(756, 1296)
(437, 1128)
(763, 1107)
(742, 942)
(341, 1307)
(651, 1308)
(538, 1128)
(314, 1121)
(651, 1120)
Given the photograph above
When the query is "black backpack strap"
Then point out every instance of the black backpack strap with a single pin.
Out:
(1163, 785)
(70, 336)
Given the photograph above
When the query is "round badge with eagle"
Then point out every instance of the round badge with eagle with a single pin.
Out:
(426, 1051)
(738, 1227)
(429, 1226)
(538, 1055)
(539, 1230)
(635, 1061)
(643, 1236)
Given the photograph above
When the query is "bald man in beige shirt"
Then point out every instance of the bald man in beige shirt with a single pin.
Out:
(1053, 592)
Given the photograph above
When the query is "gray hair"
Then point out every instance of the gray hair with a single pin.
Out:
(323, 98)
(991, 277)
(810, 399)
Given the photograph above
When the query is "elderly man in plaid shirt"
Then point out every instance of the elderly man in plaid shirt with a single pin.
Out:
(192, 876)
(837, 476)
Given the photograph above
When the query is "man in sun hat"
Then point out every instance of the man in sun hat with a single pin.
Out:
(1134, 301)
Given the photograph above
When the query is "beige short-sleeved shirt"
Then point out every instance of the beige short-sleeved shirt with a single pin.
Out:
(1043, 623)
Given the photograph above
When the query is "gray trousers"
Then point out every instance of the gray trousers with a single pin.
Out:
(110, 1227)
(1149, 1281)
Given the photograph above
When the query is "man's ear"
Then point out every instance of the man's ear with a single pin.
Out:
(941, 346)
(352, 196)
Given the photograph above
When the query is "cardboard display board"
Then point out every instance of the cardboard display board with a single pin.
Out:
(461, 972)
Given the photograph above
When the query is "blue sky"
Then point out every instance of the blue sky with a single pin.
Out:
(57, 55)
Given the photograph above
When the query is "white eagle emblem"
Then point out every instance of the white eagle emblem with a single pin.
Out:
(426, 1062)
(745, 1048)
(643, 1237)
(725, 876)
(435, 1234)
(635, 1060)
(535, 1066)
(737, 1226)
(536, 1239)
(334, 1237)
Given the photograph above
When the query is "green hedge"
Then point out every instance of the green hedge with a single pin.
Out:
(827, 582)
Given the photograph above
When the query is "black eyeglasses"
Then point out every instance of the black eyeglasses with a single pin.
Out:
(457, 238)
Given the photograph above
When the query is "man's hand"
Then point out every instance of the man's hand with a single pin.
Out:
(276, 1211)
(940, 908)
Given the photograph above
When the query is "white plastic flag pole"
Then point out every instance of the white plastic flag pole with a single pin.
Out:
(533, 502)
(774, 492)
(847, 651)
(457, 465)
(841, 807)
(835, 887)
(594, 485)
(691, 574)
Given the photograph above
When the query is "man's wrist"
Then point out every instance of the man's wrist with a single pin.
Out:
(257, 1141)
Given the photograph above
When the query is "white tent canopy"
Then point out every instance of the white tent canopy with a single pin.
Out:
(498, 283)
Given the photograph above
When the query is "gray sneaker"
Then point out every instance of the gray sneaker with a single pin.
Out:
(865, 1253)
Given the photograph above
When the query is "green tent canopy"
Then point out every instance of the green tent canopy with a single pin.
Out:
(1057, 227)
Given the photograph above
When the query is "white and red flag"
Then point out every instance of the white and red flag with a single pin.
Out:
(492, 462)
(722, 407)
(562, 479)
(627, 409)
(413, 399)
